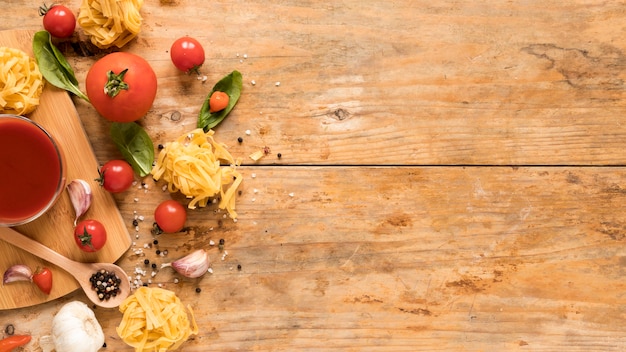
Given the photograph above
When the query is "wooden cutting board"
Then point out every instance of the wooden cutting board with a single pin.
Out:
(57, 114)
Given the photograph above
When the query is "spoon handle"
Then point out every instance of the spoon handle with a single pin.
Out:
(15, 238)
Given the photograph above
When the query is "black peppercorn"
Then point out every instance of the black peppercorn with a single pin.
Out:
(239, 139)
(198, 289)
(279, 155)
(146, 261)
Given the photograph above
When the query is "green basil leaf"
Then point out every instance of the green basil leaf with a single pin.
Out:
(53, 65)
(135, 145)
(232, 85)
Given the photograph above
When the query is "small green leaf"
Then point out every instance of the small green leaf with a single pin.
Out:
(232, 85)
(53, 65)
(135, 145)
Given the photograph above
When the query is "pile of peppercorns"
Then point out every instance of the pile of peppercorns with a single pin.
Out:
(105, 283)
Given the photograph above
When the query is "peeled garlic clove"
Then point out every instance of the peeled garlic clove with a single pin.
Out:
(80, 195)
(192, 265)
(18, 272)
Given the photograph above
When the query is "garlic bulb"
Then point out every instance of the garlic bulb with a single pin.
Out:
(192, 265)
(74, 329)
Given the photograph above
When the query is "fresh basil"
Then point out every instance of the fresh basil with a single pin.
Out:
(231, 84)
(135, 145)
(53, 65)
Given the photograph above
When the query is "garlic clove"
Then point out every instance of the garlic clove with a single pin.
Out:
(80, 195)
(193, 265)
(18, 272)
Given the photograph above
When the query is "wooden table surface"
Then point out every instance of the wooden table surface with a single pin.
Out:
(452, 174)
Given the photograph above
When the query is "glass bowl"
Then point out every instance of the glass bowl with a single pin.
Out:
(32, 170)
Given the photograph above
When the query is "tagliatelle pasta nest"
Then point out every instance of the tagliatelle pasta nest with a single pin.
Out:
(191, 164)
(21, 82)
(110, 22)
(154, 319)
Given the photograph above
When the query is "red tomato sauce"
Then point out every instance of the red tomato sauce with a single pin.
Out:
(30, 170)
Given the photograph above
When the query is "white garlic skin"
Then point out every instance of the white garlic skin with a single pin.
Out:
(18, 272)
(76, 329)
(193, 265)
(80, 196)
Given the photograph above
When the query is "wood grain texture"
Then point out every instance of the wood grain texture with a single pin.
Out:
(55, 229)
(451, 175)
(411, 258)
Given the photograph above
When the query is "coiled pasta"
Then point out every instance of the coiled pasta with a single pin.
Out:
(110, 22)
(21, 82)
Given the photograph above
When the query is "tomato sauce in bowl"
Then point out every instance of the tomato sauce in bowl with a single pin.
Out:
(32, 170)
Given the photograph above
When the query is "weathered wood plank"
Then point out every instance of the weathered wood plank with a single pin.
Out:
(420, 83)
(399, 258)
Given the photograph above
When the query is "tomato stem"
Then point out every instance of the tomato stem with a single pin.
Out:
(115, 83)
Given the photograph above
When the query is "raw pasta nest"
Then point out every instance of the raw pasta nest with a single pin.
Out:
(110, 22)
(191, 165)
(21, 82)
(154, 319)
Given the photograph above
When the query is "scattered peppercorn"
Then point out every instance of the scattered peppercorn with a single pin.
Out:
(160, 146)
(154, 265)
(135, 222)
(155, 242)
(279, 155)
(221, 244)
(9, 330)
(104, 345)
(240, 140)
(198, 289)
(239, 267)
(146, 261)
(158, 251)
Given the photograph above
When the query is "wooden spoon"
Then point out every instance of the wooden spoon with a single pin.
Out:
(81, 271)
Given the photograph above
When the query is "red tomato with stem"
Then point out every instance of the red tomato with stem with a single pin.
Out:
(90, 235)
(218, 101)
(58, 20)
(187, 54)
(121, 87)
(43, 279)
(116, 176)
(170, 216)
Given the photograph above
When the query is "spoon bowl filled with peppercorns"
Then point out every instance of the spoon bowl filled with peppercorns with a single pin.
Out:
(105, 284)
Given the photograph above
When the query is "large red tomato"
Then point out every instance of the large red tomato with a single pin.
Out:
(121, 87)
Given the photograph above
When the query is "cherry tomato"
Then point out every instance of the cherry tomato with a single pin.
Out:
(43, 279)
(170, 216)
(58, 20)
(218, 101)
(8, 344)
(90, 235)
(187, 54)
(121, 86)
(116, 176)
